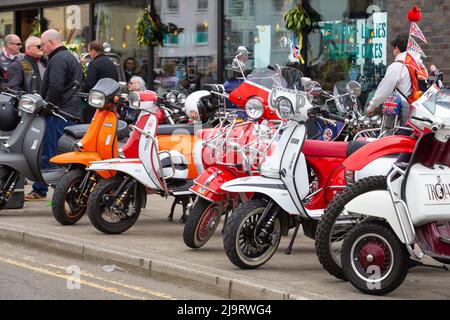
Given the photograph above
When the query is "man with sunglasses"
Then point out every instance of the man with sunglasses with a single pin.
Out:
(26, 74)
(9, 54)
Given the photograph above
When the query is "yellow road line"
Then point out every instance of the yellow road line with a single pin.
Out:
(117, 283)
(66, 277)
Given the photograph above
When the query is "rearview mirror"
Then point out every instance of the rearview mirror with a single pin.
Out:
(107, 47)
(313, 88)
(353, 88)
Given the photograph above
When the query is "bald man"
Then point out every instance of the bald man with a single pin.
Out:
(62, 71)
(9, 53)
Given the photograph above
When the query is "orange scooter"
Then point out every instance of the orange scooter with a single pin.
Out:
(98, 143)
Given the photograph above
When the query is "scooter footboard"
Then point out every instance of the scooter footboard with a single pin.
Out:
(131, 167)
(379, 204)
(273, 188)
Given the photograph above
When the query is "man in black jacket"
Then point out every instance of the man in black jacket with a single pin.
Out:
(26, 74)
(100, 67)
(62, 71)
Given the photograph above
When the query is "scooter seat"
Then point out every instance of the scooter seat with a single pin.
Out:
(79, 130)
(354, 146)
(190, 129)
(335, 149)
(317, 148)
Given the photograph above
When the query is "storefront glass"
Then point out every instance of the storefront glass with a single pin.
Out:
(187, 60)
(350, 43)
(6, 24)
(72, 22)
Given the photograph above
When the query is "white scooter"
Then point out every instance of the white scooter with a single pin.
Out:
(407, 214)
(282, 194)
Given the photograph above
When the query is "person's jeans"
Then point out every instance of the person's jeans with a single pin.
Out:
(54, 130)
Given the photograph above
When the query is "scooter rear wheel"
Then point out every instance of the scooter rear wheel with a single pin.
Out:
(240, 244)
(65, 206)
(201, 223)
(334, 226)
(100, 215)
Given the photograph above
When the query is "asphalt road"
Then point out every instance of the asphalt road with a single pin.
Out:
(26, 273)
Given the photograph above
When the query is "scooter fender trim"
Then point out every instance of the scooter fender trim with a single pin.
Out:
(273, 188)
(377, 149)
(131, 167)
(378, 204)
(208, 184)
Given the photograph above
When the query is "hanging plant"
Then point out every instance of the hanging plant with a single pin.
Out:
(151, 30)
(302, 18)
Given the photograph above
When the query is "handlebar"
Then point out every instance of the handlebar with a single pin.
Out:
(56, 111)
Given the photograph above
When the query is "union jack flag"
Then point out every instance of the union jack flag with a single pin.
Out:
(414, 47)
(392, 105)
(416, 32)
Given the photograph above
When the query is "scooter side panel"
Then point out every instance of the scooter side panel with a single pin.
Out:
(131, 167)
(208, 184)
(183, 143)
(32, 147)
(273, 188)
(378, 204)
(17, 162)
(379, 148)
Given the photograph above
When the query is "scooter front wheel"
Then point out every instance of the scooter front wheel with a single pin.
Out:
(68, 205)
(374, 260)
(201, 223)
(243, 244)
(108, 216)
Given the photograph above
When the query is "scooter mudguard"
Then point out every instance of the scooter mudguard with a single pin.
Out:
(379, 148)
(273, 188)
(208, 184)
(131, 167)
(17, 162)
(379, 204)
(83, 158)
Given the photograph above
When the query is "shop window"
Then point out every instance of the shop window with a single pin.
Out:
(72, 22)
(202, 5)
(173, 6)
(202, 33)
(6, 24)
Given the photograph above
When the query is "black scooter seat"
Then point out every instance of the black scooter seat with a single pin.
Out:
(79, 130)
(190, 129)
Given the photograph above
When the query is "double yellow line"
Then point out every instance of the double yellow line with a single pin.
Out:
(92, 284)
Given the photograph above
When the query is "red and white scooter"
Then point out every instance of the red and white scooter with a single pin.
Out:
(285, 195)
(406, 215)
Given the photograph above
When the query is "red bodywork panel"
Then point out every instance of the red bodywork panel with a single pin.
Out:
(247, 90)
(131, 148)
(319, 148)
(379, 148)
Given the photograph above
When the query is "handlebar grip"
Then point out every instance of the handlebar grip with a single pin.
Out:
(336, 117)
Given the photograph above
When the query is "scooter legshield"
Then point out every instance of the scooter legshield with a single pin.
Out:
(273, 188)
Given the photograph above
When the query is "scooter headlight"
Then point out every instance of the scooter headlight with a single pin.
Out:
(284, 107)
(172, 97)
(27, 104)
(181, 98)
(254, 108)
(134, 100)
(96, 99)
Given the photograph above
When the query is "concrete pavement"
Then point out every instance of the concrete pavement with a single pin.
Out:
(155, 247)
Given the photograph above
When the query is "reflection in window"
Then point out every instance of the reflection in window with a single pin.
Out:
(202, 4)
(173, 6)
(6, 24)
(202, 33)
(72, 22)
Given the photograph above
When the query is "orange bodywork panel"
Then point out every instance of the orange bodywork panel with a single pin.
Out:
(83, 158)
(182, 143)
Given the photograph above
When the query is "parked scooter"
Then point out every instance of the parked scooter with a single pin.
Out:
(406, 215)
(337, 221)
(212, 202)
(297, 181)
(20, 154)
(100, 140)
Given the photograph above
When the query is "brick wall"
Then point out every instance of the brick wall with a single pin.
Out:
(435, 25)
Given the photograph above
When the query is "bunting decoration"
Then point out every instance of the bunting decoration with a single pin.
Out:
(414, 47)
(416, 32)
